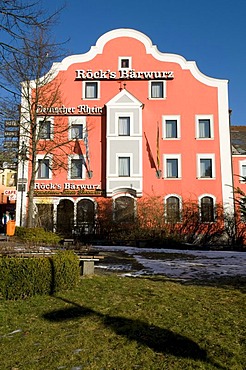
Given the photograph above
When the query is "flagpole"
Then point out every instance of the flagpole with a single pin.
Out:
(158, 171)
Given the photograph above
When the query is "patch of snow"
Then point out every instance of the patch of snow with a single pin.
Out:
(187, 264)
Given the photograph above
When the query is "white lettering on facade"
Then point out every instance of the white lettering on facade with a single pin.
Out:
(48, 186)
(55, 110)
(81, 109)
(85, 109)
(81, 74)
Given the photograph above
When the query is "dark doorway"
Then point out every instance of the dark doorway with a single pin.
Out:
(124, 209)
(65, 217)
(86, 217)
(44, 217)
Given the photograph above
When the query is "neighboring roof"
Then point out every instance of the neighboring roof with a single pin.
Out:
(238, 139)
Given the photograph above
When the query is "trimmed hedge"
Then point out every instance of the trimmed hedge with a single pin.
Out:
(37, 235)
(25, 277)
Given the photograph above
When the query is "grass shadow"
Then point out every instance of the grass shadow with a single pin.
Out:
(158, 339)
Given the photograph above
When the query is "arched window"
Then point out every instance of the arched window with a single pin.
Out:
(65, 217)
(86, 216)
(124, 209)
(85, 211)
(173, 209)
(207, 209)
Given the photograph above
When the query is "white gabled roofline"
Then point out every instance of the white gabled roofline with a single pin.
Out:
(150, 49)
(114, 100)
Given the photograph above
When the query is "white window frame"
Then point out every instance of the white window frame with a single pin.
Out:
(120, 68)
(124, 195)
(124, 114)
(241, 164)
(41, 157)
(200, 206)
(172, 156)
(164, 128)
(209, 117)
(46, 119)
(180, 204)
(84, 83)
(164, 89)
(206, 156)
(76, 156)
(124, 155)
(76, 121)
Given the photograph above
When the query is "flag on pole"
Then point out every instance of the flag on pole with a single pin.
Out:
(87, 147)
(158, 147)
(77, 150)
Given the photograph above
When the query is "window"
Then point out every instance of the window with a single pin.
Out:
(206, 166)
(77, 127)
(157, 89)
(171, 127)
(172, 168)
(91, 90)
(77, 131)
(124, 126)
(204, 127)
(77, 168)
(44, 168)
(207, 209)
(45, 128)
(124, 209)
(242, 171)
(173, 209)
(125, 63)
(44, 131)
(124, 166)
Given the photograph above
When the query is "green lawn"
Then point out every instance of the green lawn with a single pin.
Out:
(112, 322)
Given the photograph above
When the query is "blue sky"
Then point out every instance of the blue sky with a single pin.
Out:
(210, 32)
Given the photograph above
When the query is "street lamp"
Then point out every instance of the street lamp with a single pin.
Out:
(23, 158)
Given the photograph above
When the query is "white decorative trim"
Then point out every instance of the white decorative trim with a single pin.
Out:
(150, 49)
(225, 148)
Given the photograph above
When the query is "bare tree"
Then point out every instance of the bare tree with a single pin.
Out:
(17, 21)
(38, 89)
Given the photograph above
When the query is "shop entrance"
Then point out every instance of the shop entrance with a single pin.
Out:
(65, 217)
(44, 216)
(85, 217)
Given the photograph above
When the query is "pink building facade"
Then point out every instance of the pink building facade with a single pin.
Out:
(142, 123)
